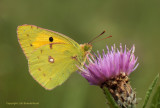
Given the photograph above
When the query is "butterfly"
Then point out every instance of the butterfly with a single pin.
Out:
(52, 57)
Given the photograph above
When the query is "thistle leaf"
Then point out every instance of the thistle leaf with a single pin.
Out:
(148, 93)
(156, 99)
(111, 101)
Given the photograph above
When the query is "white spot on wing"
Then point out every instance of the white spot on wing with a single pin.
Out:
(51, 59)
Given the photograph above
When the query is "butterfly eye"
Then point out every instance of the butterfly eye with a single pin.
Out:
(51, 39)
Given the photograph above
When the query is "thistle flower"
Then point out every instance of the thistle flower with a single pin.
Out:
(111, 70)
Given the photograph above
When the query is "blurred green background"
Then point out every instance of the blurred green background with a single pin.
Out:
(128, 21)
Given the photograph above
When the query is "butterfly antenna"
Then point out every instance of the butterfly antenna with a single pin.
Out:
(96, 37)
(102, 39)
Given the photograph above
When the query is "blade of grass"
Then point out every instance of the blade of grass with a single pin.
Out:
(156, 99)
(148, 93)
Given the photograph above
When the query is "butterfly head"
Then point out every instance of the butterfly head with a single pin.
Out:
(86, 47)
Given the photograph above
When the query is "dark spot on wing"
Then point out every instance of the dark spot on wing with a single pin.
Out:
(50, 45)
(50, 39)
(44, 74)
(74, 57)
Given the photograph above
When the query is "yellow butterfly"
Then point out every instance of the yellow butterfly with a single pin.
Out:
(52, 56)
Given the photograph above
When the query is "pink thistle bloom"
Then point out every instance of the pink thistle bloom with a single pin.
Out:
(111, 70)
(110, 64)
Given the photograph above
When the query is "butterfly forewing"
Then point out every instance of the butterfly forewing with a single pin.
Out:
(32, 37)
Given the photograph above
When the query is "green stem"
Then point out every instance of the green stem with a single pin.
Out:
(111, 101)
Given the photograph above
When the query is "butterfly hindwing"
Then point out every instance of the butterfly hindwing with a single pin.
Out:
(52, 67)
